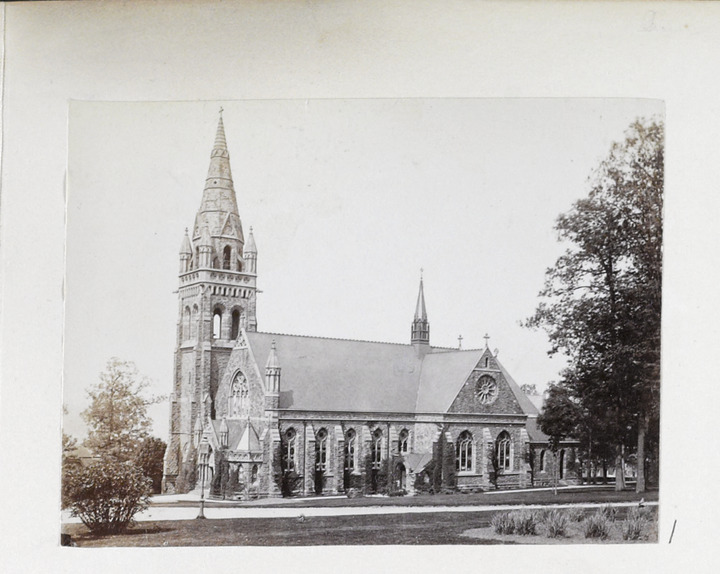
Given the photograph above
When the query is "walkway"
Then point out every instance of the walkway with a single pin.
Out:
(189, 513)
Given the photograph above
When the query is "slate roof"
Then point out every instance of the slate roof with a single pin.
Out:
(534, 432)
(347, 375)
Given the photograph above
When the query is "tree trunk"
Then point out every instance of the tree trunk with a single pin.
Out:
(619, 470)
(640, 485)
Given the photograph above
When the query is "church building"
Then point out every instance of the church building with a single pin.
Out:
(280, 414)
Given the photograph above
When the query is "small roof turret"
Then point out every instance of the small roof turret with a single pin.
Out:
(250, 244)
(272, 362)
(186, 247)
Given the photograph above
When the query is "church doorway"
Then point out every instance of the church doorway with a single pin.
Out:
(400, 477)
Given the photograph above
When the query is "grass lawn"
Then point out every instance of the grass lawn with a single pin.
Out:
(435, 528)
(422, 528)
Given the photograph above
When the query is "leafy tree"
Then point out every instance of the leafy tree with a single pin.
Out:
(602, 299)
(107, 494)
(117, 416)
(559, 420)
(70, 465)
(149, 457)
(494, 461)
(529, 389)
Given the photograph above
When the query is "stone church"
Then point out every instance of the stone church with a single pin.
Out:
(330, 414)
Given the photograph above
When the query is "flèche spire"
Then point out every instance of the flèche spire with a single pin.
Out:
(420, 333)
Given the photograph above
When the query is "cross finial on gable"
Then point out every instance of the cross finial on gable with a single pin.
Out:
(460, 338)
(486, 337)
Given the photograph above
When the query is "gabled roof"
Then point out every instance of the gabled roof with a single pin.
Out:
(341, 375)
(443, 375)
(525, 403)
(347, 375)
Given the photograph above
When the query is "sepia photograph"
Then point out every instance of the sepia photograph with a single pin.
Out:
(371, 321)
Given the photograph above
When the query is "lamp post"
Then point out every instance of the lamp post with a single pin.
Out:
(203, 456)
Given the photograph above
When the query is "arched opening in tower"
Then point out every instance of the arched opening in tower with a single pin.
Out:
(227, 252)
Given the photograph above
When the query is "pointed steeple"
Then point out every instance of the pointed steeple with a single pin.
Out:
(420, 312)
(219, 203)
(219, 159)
(420, 333)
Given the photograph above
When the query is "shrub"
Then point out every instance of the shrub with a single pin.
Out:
(107, 495)
(556, 522)
(609, 512)
(575, 514)
(632, 526)
(524, 522)
(289, 483)
(596, 526)
(502, 523)
(400, 492)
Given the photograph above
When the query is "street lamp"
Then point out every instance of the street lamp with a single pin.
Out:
(203, 455)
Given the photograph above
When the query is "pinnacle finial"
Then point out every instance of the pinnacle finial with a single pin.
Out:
(220, 141)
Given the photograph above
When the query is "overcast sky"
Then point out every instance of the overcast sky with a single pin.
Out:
(348, 200)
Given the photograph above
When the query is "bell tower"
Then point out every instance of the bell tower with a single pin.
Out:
(216, 301)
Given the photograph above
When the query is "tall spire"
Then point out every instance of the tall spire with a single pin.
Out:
(420, 333)
(218, 198)
(420, 312)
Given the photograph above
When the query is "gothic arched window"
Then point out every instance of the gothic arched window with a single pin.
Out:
(561, 464)
(235, 330)
(289, 449)
(403, 441)
(504, 451)
(239, 404)
(542, 460)
(376, 449)
(321, 450)
(464, 452)
(350, 449)
(217, 323)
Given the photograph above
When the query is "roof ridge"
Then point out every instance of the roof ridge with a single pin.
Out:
(332, 338)
(362, 341)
